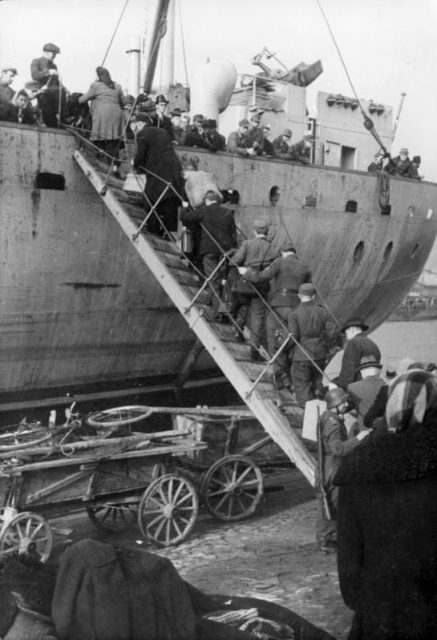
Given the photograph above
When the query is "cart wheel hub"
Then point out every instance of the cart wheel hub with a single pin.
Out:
(169, 511)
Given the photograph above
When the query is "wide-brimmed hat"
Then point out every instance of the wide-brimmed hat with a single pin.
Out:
(161, 99)
(368, 361)
(49, 46)
(355, 322)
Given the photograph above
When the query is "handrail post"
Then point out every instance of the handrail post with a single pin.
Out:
(270, 362)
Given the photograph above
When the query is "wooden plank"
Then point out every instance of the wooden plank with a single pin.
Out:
(56, 486)
(187, 447)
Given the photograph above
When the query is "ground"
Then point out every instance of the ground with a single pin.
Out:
(271, 555)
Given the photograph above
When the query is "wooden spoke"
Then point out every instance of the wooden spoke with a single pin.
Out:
(168, 510)
(113, 516)
(232, 488)
(27, 534)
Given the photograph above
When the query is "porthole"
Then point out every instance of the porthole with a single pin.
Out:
(274, 195)
(387, 251)
(54, 181)
(358, 252)
(231, 196)
(351, 206)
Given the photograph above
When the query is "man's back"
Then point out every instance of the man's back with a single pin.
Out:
(369, 397)
(359, 346)
(312, 326)
(218, 222)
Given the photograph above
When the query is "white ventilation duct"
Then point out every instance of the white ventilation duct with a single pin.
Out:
(212, 87)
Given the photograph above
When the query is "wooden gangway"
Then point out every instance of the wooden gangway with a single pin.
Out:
(166, 263)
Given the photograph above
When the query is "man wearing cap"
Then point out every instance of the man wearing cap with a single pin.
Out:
(258, 253)
(194, 132)
(255, 135)
(357, 346)
(267, 145)
(44, 71)
(314, 333)
(239, 142)
(163, 121)
(301, 151)
(282, 145)
(218, 235)
(401, 164)
(8, 111)
(155, 152)
(414, 169)
(335, 444)
(369, 395)
(287, 273)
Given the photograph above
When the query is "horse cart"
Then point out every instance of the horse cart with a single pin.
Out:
(121, 475)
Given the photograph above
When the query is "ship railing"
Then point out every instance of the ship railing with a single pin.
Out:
(226, 256)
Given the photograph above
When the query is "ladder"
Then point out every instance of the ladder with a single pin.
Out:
(165, 262)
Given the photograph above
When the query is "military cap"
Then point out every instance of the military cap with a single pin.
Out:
(161, 99)
(148, 107)
(255, 118)
(176, 112)
(244, 123)
(354, 322)
(287, 132)
(368, 361)
(261, 226)
(403, 151)
(307, 289)
(49, 46)
(198, 118)
(12, 69)
(141, 116)
(288, 246)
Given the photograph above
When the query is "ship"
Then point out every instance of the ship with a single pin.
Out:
(80, 311)
(421, 301)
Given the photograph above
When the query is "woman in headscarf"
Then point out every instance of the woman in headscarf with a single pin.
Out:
(107, 102)
(387, 519)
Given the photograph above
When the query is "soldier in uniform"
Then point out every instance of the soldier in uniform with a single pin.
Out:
(258, 253)
(335, 445)
(312, 327)
(45, 72)
(239, 142)
(401, 164)
(357, 346)
(301, 151)
(281, 146)
(287, 273)
(256, 135)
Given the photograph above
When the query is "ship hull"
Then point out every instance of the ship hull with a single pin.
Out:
(78, 308)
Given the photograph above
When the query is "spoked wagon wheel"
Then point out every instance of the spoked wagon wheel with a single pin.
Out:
(113, 516)
(232, 488)
(168, 510)
(118, 416)
(22, 438)
(27, 534)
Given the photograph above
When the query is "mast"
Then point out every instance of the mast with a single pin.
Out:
(168, 46)
(158, 32)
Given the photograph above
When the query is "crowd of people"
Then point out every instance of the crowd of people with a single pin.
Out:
(400, 165)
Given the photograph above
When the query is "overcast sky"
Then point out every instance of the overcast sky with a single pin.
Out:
(389, 46)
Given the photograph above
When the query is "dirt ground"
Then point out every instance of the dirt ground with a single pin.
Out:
(271, 555)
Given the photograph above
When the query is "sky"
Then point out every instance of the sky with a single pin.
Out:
(388, 46)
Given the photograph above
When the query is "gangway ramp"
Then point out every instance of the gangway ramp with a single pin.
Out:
(164, 260)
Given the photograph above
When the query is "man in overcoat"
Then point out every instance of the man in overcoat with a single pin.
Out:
(357, 346)
(218, 235)
(369, 395)
(155, 156)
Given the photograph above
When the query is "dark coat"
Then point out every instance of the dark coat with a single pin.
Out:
(257, 253)
(155, 152)
(387, 542)
(281, 149)
(219, 222)
(39, 70)
(287, 273)
(335, 443)
(238, 143)
(313, 327)
(164, 122)
(364, 394)
(359, 346)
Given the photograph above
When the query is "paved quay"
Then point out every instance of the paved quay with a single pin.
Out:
(271, 555)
